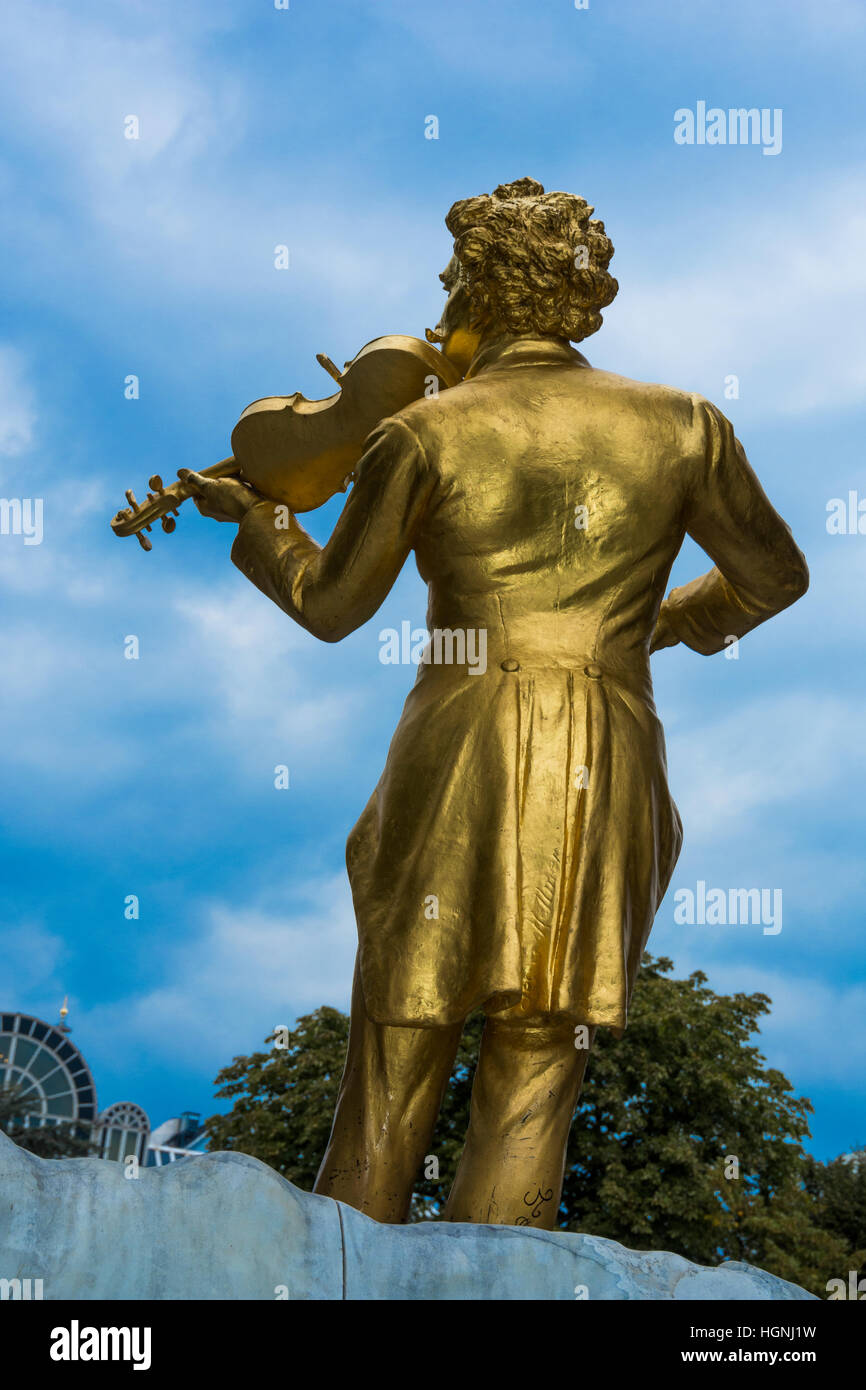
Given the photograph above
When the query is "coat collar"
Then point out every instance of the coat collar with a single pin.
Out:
(525, 352)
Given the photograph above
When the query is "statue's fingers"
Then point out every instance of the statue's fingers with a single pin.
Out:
(194, 481)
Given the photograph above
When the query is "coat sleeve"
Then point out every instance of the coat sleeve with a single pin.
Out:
(758, 567)
(332, 590)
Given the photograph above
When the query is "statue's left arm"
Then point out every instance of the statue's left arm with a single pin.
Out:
(759, 568)
(332, 590)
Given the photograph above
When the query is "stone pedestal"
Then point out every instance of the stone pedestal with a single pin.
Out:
(225, 1226)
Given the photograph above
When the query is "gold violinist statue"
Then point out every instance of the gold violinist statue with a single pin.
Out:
(522, 834)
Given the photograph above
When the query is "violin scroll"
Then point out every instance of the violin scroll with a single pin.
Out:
(161, 504)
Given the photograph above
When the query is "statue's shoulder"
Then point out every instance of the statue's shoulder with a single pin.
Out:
(646, 392)
(428, 415)
(456, 414)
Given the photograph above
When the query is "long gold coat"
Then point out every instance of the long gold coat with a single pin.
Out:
(522, 834)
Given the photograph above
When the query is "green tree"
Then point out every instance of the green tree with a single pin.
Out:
(284, 1099)
(839, 1187)
(684, 1139)
(46, 1141)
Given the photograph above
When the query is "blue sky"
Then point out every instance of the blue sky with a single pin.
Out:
(154, 257)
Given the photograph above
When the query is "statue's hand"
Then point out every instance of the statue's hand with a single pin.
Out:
(664, 635)
(223, 499)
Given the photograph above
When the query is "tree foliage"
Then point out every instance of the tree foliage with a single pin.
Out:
(839, 1188)
(46, 1141)
(684, 1140)
(284, 1099)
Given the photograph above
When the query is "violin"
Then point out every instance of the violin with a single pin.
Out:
(302, 452)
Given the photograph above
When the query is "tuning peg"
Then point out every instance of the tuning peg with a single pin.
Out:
(130, 497)
(324, 361)
(143, 541)
(156, 483)
(168, 523)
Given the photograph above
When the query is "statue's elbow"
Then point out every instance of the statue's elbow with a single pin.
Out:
(327, 622)
(799, 580)
(791, 586)
(331, 628)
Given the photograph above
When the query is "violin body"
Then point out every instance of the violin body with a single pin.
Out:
(301, 452)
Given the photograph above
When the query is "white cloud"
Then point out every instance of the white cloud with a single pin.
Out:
(838, 570)
(30, 978)
(223, 665)
(256, 665)
(228, 985)
(773, 751)
(83, 74)
(17, 403)
(814, 1031)
(766, 293)
(769, 296)
(164, 213)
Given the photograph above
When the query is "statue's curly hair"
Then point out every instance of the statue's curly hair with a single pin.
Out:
(532, 261)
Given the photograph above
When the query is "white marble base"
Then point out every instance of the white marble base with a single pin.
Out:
(226, 1226)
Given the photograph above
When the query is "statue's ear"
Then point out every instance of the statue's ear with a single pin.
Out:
(476, 318)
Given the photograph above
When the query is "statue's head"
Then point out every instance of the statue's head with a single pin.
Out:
(527, 263)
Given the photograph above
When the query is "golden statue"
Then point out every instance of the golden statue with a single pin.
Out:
(522, 834)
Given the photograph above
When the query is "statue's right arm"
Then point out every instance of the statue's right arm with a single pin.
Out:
(332, 590)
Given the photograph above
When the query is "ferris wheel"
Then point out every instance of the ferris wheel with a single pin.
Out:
(38, 1059)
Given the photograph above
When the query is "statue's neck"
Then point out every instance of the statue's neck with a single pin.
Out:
(497, 344)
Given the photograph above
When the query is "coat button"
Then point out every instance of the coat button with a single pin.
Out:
(511, 665)
(592, 670)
